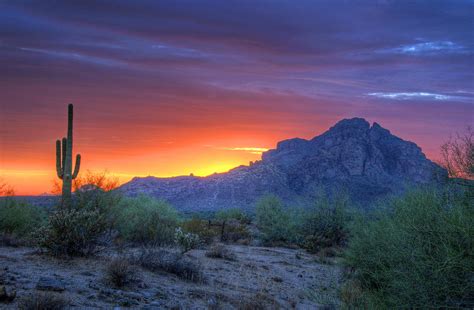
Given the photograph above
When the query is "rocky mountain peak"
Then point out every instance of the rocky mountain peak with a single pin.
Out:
(355, 123)
(366, 161)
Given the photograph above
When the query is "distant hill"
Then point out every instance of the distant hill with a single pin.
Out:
(367, 162)
(40, 200)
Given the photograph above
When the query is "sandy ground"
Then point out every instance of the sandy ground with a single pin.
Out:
(286, 278)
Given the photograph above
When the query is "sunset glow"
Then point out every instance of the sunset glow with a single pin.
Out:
(169, 89)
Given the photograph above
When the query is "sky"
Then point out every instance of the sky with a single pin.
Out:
(169, 88)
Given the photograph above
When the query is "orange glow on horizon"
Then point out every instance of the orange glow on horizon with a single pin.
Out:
(131, 148)
(38, 181)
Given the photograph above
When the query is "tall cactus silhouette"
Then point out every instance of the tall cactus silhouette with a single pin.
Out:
(64, 161)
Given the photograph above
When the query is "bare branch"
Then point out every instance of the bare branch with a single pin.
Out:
(458, 155)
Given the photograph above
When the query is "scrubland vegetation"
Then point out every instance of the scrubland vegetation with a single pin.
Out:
(18, 220)
(413, 251)
(145, 220)
(418, 253)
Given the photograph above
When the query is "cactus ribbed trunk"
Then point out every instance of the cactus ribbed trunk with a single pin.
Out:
(64, 161)
(67, 175)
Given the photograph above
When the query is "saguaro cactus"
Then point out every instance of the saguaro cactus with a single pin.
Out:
(64, 161)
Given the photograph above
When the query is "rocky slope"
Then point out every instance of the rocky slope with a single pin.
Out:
(367, 162)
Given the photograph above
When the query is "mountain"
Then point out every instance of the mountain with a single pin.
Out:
(367, 162)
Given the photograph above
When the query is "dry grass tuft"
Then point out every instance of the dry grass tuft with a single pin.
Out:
(171, 262)
(44, 301)
(220, 251)
(120, 272)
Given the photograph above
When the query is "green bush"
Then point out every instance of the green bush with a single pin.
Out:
(273, 221)
(186, 241)
(233, 214)
(421, 254)
(326, 224)
(19, 218)
(72, 232)
(96, 199)
(146, 220)
(200, 227)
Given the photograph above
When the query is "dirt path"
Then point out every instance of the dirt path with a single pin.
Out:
(290, 278)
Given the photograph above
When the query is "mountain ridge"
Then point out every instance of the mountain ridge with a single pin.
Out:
(366, 161)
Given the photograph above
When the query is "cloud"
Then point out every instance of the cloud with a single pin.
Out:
(252, 150)
(412, 95)
(428, 48)
(75, 56)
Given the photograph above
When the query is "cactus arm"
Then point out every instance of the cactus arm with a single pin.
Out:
(64, 153)
(77, 166)
(59, 169)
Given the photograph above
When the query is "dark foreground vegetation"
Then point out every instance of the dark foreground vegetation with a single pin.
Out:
(418, 253)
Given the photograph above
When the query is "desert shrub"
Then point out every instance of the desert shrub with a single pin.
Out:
(200, 227)
(234, 231)
(351, 294)
(93, 190)
(18, 218)
(72, 232)
(225, 229)
(271, 219)
(220, 251)
(325, 224)
(96, 199)
(233, 225)
(275, 224)
(146, 220)
(96, 191)
(44, 301)
(186, 241)
(120, 272)
(233, 214)
(171, 262)
(419, 255)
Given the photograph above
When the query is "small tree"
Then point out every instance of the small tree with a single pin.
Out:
(271, 219)
(325, 224)
(145, 220)
(458, 156)
(6, 189)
